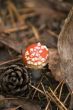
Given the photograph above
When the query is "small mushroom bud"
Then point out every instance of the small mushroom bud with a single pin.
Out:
(36, 57)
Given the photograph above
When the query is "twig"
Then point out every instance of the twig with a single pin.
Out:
(11, 61)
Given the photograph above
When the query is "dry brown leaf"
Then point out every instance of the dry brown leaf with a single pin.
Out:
(54, 64)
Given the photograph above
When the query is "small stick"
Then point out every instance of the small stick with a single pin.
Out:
(11, 61)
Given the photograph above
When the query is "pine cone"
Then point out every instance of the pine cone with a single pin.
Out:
(14, 80)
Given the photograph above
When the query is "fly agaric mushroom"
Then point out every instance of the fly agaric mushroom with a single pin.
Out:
(35, 58)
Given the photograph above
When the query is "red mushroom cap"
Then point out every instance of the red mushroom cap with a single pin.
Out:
(36, 56)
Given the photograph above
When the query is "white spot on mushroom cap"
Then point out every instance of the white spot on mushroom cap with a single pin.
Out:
(37, 48)
(26, 53)
(43, 59)
(39, 44)
(33, 54)
(37, 55)
(43, 64)
(40, 57)
(39, 63)
(31, 50)
(28, 58)
(44, 47)
(29, 62)
(46, 56)
(33, 59)
(35, 63)
(40, 51)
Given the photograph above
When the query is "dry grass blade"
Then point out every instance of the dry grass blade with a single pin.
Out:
(18, 107)
(35, 31)
(26, 10)
(37, 87)
(11, 15)
(52, 33)
(54, 92)
(1, 99)
(66, 98)
(11, 61)
(47, 106)
(60, 91)
(14, 10)
(1, 21)
(59, 85)
(56, 100)
(14, 108)
(20, 28)
(25, 16)
(53, 97)
(44, 91)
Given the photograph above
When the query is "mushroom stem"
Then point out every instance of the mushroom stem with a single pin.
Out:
(35, 74)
